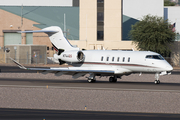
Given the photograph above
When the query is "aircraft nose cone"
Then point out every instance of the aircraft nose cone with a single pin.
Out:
(169, 68)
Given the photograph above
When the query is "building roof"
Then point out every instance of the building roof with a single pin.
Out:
(50, 16)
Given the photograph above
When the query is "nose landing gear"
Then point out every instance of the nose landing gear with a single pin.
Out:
(157, 81)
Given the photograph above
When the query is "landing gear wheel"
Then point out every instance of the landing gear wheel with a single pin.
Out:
(157, 81)
(91, 80)
(115, 80)
(112, 79)
(157, 78)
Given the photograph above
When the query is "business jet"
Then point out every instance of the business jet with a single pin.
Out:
(100, 62)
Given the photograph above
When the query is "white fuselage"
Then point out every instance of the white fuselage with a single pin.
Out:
(132, 61)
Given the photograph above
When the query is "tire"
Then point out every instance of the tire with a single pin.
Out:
(156, 81)
(89, 81)
(111, 79)
(115, 80)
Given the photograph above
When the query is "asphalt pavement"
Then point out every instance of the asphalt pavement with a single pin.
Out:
(38, 114)
(83, 84)
(51, 97)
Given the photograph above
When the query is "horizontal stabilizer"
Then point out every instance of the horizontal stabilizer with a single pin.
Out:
(39, 31)
(18, 64)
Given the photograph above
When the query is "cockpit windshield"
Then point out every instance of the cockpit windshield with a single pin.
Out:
(157, 57)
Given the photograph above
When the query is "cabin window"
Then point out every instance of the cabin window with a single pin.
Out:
(118, 59)
(123, 59)
(102, 58)
(157, 57)
(112, 58)
(128, 59)
(107, 59)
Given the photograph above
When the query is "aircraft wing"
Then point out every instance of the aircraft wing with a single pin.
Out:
(75, 71)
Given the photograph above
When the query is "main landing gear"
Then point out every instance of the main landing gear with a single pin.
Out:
(91, 78)
(157, 81)
(113, 79)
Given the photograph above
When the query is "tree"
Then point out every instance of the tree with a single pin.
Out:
(169, 3)
(153, 33)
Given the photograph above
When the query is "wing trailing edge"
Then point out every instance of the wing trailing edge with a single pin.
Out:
(18, 64)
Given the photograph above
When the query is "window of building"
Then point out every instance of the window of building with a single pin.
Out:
(100, 35)
(100, 20)
(100, 1)
(177, 37)
(100, 16)
(29, 38)
(47, 48)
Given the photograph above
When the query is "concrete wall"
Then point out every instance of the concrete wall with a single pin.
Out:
(175, 55)
(112, 26)
(172, 14)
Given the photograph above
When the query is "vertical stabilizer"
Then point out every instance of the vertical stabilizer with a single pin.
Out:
(56, 36)
(58, 40)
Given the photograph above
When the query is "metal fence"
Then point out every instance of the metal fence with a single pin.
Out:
(2, 56)
(26, 59)
(41, 59)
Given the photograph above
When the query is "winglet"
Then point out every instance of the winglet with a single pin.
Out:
(18, 64)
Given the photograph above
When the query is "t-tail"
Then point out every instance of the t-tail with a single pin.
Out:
(59, 42)
(56, 36)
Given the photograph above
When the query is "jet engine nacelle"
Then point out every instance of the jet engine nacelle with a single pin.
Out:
(71, 56)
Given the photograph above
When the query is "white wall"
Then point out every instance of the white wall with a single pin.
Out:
(36, 2)
(139, 8)
(174, 16)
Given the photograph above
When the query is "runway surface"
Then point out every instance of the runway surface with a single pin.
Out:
(82, 84)
(131, 97)
(32, 114)
(15, 69)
